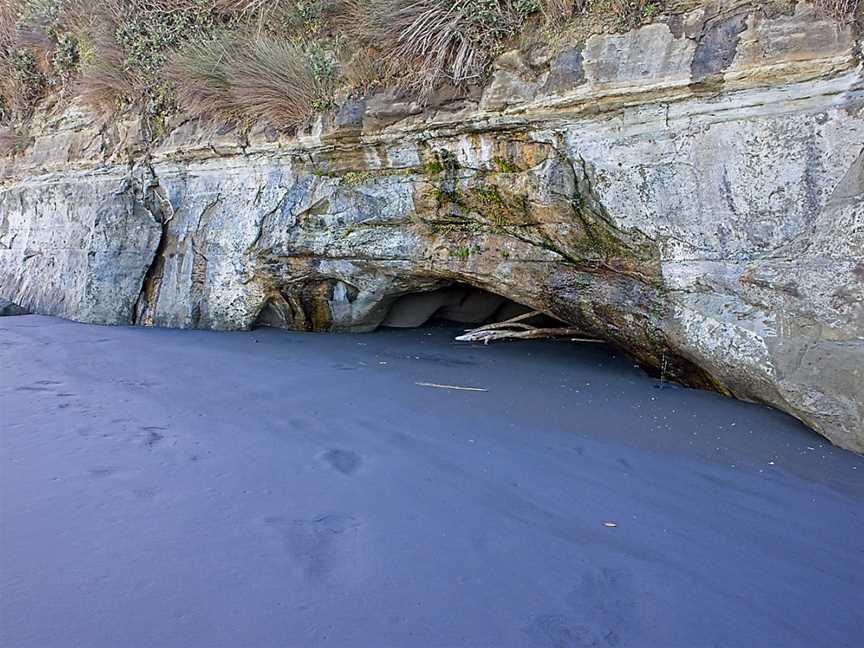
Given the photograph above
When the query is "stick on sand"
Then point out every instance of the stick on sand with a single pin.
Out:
(426, 384)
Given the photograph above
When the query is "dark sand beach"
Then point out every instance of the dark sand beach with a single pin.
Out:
(164, 488)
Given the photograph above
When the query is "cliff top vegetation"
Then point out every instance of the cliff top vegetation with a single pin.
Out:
(276, 61)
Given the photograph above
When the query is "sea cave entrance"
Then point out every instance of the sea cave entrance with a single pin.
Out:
(464, 304)
(334, 306)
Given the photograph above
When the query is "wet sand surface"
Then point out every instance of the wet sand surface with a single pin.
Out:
(164, 488)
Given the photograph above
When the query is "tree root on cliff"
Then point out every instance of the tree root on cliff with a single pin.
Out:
(516, 329)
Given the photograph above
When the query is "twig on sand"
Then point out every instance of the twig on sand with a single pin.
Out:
(516, 329)
(426, 384)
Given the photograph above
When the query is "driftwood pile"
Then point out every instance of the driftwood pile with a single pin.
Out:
(516, 329)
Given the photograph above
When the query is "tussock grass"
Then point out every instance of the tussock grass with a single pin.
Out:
(429, 42)
(276, 82)
(8, 17)
(257, 78)
(20, 77)
(33, 30)
(198, 70)
(104, 84)
(22, 84)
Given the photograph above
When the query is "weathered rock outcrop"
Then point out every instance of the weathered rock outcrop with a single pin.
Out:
(691, 191)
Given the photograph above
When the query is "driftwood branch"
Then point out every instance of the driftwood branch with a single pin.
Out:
(516, 329)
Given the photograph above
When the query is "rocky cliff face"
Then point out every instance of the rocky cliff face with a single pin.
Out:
(690, 190)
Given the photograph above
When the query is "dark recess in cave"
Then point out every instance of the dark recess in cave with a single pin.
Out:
(459, 303)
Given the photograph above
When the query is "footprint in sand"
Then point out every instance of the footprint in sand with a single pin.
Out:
(40, 386)
(555, 631)
(126, 382)
(153, 435)
(605, 612)
(99, 473)
(345, 367)
(321, 546)
(343, 461)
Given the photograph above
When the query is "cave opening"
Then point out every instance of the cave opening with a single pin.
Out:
(459, 303)
(336, 306)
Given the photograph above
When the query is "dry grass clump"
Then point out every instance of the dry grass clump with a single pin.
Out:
(276, 82)
(246, 6)
(439, 41)
(33, 30)
(8, 17)
(251, 6)
(842, 11)
(294, 20)
(363, 70)
(198, 71)
(558, 11)
(105, 85)
(256, 78)
(117, 51)
(22, 84)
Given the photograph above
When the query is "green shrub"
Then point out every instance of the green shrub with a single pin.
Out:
(67, 56)
(503, 165)
(27, 82)
(322, 65)
(146, 33)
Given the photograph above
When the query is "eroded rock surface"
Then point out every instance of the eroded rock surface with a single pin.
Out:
(690, 190)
